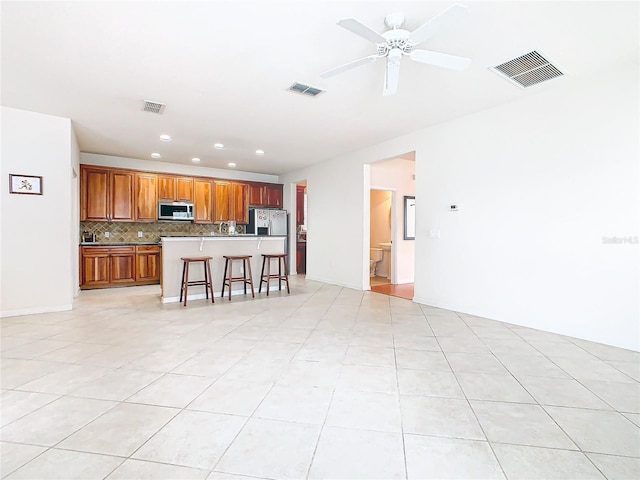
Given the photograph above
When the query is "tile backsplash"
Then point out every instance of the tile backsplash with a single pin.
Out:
(120, 232)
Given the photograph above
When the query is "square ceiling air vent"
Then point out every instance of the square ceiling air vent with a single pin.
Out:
(305, 89)
(528, 69)
(153, 107)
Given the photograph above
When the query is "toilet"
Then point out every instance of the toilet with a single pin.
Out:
(375, 255)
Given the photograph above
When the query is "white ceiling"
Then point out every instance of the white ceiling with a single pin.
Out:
(223, 69)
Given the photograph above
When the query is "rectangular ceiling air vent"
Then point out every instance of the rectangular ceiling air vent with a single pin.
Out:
(305, 89)
(528, 69)
(153, 107)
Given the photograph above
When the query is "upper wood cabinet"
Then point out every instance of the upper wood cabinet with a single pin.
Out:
(203, 202)
(274, 195)
(146, 197)
(106, 194)
(94, 194)
(231, 202)
(184, 189)
(121, 198)
(300, 205)
(221, 206)
(240, 203)
(265, 195)
(166, 188)
(172, 188)
(257, 192)
(111, 194)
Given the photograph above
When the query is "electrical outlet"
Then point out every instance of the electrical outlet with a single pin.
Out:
(140, 234)
(107, 234)
(212, 233)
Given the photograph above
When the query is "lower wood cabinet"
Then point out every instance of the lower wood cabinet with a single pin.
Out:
(102, 267)
(147, 264)
(301, 257)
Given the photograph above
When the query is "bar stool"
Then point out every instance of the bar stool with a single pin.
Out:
(186, 283)
(227, 280)
(282, 264)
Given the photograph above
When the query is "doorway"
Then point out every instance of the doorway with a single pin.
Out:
(301, 228)
(390, 182)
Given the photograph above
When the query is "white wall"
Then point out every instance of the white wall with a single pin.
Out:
(37, 256)
(539, 182)
(397, 174)
(154, 166)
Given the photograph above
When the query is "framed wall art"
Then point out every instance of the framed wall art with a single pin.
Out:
(27, 184)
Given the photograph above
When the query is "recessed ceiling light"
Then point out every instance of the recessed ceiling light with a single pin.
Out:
(218, 146)
(259, 152)
(165, 138)
(231, 164)
(155, 155)
(195, 160)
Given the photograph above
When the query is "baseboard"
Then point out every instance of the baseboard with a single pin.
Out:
(35, 311)
(331, 282)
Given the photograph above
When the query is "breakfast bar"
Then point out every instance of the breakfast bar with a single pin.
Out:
(174, 248)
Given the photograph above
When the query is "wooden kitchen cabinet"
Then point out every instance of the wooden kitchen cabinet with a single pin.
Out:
(105, 266)
(230, 202)
(203, 201)
(184, 189)
(146, 197)
(147, 264)
(94, 267)
(122, 265)
(166, 188)
(121, 196)
(239, 203)
(221, 203)
(299, 205)
(274, 195)
(173, 188)
(257, 194)
(268, 195)
(301, 257)
(94, 194)
(106, 194)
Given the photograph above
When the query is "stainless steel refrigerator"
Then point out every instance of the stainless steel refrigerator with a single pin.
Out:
(267, 221)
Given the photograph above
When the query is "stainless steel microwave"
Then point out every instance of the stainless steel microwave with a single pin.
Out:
(175, 211)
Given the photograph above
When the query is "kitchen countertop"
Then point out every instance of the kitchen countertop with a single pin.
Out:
(116, 244)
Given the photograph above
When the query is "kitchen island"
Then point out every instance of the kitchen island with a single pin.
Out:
(173, 248)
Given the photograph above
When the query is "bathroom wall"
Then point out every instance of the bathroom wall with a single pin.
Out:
(380, 217)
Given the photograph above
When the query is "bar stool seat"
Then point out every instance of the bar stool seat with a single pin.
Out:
(228, 278)
(282, 266)
(186, 283)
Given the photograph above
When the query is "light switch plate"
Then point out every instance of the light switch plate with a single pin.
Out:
(434, 233)
(107, 234)
(140, 234)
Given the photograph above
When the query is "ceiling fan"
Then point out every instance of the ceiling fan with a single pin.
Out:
(395, 43)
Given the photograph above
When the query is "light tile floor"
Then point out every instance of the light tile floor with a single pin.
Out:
(325, 382)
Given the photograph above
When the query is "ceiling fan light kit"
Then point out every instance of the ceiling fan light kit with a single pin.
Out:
(393, 44)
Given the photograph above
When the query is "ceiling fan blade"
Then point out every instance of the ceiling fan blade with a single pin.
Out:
(442, 20)
(362, 30)
(440, 59)
(391, 77)
(350, 65)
